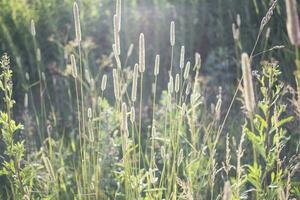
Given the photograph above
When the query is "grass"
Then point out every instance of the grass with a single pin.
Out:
(178, 146)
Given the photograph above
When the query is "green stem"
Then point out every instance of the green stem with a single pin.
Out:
(140, 121)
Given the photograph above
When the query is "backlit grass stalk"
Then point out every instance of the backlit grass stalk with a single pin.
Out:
(78, 39)
(156, 72)
(141, 70)
(248, 92)
(172, 42)
(75, 74)
(181, 66)
(41, 122)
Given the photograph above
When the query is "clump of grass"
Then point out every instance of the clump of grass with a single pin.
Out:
(119, 151)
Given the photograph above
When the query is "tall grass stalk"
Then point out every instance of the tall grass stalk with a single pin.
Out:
(141, 70)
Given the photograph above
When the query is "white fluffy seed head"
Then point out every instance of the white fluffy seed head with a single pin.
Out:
(119, 13)
(77, 22)
(27, 76)
(218, 105)
(134, 82)
(87, 75)
(235, 32)
(238, 20)
(182, 54)
(172, 33)
(74, 66)
(268, 32)
(103, 83)
(26, 100)
(38, 55)
(197, 61)
(142, 53)
(130, 49)
(132, 114)
(124, 117)
(177, 83)
(156, 67)
(188, 88)
(117, 36)
(32, 28)
(187, 70)
(248, 84)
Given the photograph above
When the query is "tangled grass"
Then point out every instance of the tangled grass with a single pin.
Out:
(176, 147)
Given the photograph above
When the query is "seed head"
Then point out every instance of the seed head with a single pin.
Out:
(27, 76)
(268, 32)
(238, 20)
(119, 13)
(142, 53)
(124, 117)
(77, 22)
(187, 70)
(26, 100)
(103, 83)
(235, 32)
(132, 114)
(188, 88)
(74, 66)
(156, 67)
(293, 26)
(87, 75)
(177, 83)
(268, 16)
(171, 85)
(248, 84)
(182, 53)
(172, 33)
(134, 82)
(197, 61)
(32, 28)
(38, 55)
(117, 36)
(129, 52)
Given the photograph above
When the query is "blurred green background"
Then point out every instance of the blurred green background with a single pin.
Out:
(203, 26)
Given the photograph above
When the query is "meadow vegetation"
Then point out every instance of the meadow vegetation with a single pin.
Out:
(206, 107)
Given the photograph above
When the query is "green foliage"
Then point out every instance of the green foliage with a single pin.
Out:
(268, 136)
(19, 175)
(81, 142)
